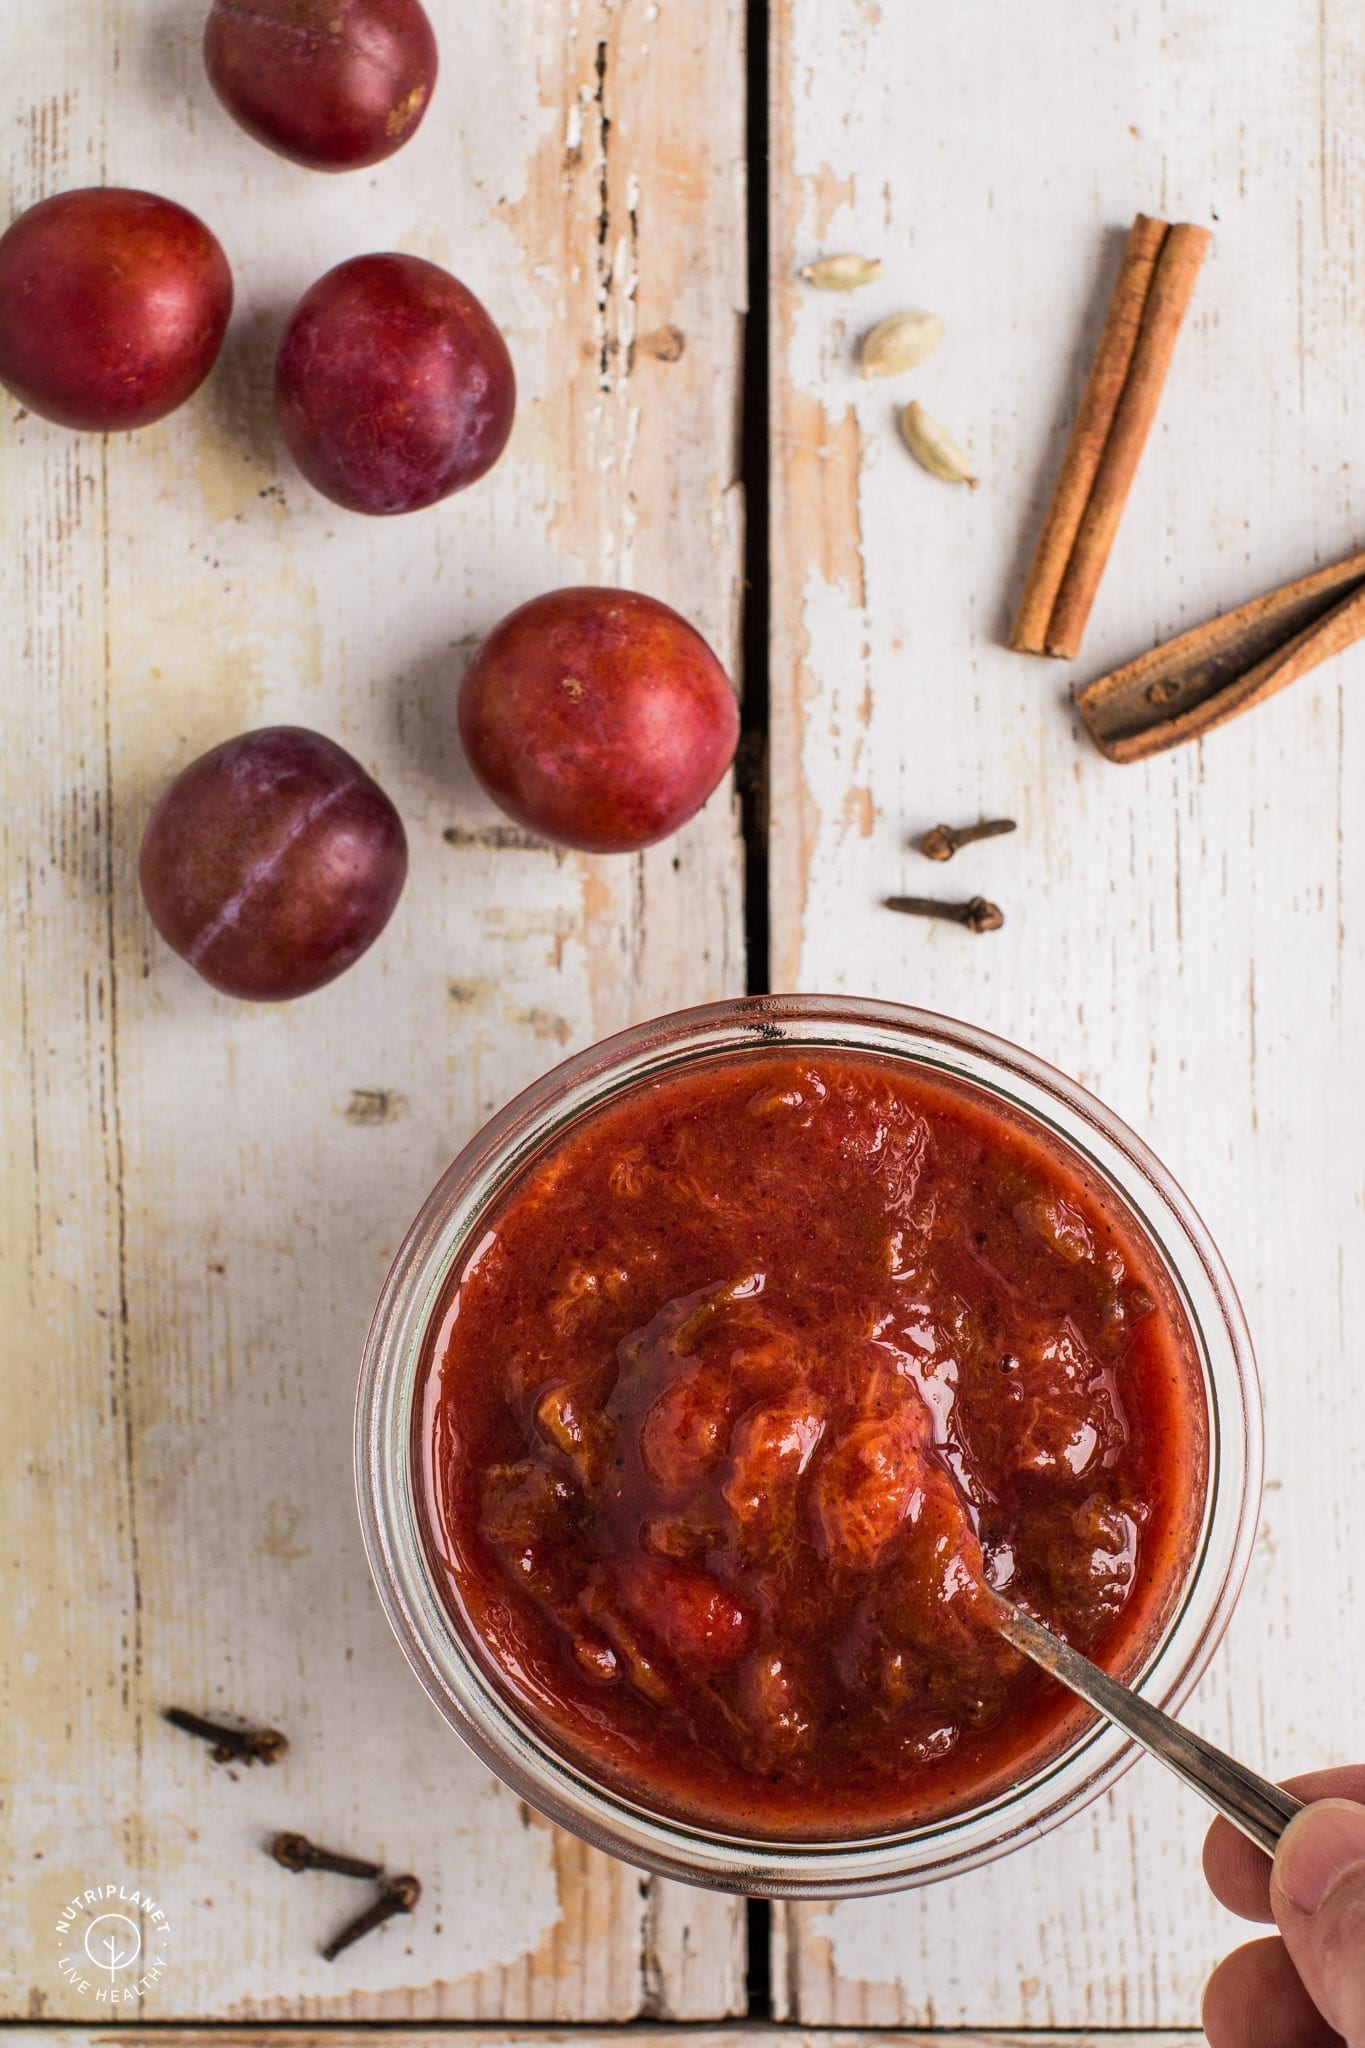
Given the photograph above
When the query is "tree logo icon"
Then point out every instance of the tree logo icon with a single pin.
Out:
(112, 1942)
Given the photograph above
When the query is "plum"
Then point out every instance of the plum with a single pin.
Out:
(583, 1436)
(595, 1658)
(1089, 1563)
(393, 386)
(684, 1433)
(686, 1536)
(775, 1706)
(868, 1486)
(1060, 1225)
(598, 1602)
(699, 1621)
(113, 307)
(272, 862)
(1070, 1416)
(526, 1509)
(934, 1603)
(772, 1448)
(333, 84)
(599, 718)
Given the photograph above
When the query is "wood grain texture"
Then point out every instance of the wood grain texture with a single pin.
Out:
(582, 2037)
(1186, 936)
(202, 1197)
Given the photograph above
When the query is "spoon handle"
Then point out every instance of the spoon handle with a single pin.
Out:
(1261, 1810)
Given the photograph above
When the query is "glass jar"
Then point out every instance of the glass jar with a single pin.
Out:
(466, 1689)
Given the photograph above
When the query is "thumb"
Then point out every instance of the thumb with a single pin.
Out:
(1317, 1889)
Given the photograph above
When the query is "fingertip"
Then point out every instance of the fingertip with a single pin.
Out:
(1220, 2013)
(1237, 1872)
(1322, 1845)
(1255, 1999)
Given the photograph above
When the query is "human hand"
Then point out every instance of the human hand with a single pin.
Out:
(1306, 1987)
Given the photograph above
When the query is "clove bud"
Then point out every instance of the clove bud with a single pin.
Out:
(977, 916)
(943, 841)
(231, 1745)
(296, 1852)
(399, 1895)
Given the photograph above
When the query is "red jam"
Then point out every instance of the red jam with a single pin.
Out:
(752, 1383)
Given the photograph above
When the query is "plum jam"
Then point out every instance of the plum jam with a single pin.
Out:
(753, 1383)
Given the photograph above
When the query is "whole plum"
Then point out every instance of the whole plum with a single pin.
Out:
(599, 718)
(393, 386)
(334, 84)
(272, 862)
(113, 307)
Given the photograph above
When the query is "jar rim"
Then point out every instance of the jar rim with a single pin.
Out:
(390, 1385)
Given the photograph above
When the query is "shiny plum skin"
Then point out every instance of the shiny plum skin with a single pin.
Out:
(272, 862)
(599, 718)
(393, 386)
(333, 84)
(113, 307)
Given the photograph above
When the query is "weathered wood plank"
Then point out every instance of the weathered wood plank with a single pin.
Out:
(1184, 937)
(202, 1197)
(628, 2037)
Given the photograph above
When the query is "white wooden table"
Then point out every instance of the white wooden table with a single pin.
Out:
(201, 1197)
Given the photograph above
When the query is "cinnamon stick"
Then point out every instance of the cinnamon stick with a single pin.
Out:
(1191, 685)
(1160, 264)
(1177, 266)
(1099, 402)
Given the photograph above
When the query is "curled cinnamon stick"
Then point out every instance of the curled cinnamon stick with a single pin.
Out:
(1160, 264)
(1191, 685)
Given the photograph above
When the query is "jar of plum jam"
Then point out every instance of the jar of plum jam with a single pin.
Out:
(723, 1376)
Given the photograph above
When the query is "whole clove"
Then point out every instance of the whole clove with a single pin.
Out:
(296, 1852)
(977, 916)
(231, 1745)
(943, 841)
(399, 1895)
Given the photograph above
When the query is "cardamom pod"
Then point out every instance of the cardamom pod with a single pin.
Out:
(900, 343)
(841, 273)
(933, 447)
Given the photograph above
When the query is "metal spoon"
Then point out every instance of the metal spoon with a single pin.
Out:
(1261, 1810)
